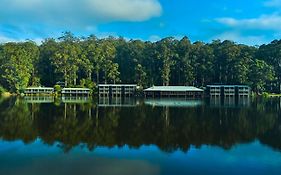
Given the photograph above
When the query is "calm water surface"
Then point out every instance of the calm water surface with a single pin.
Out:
(46, 136)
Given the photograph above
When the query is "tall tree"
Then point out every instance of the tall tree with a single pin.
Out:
(165, 51)
(271, 54)
(17, 65)
(260, 74)
(46, 69)
(67, 59)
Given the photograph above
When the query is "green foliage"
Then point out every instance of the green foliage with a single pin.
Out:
(90, 61)
(87, 83)
(265, 94)
(57, 88)
(260, 74)
(18, 65)
(2, 90)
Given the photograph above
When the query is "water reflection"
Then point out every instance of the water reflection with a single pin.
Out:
(178, 102)
(117, 102)
(169, 125)
(39, 99)
(229, 102)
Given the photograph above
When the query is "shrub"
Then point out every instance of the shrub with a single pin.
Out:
(265, 94)
(87, 83)
(57, 88)
(2, 90)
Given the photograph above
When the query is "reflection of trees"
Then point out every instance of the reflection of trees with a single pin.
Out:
(272, 137)
(168, 128)
(16, 121)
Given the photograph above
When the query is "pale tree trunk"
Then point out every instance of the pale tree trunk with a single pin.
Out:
(105, 78)
(98, 76)
(90, 75)
(65, 79)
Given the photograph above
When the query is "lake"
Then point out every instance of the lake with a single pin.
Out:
(67, 136)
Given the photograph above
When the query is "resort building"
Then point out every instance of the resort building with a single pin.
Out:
(75, 91)
(228, 90)
(117, 90)
(38, 90)
(174, 91)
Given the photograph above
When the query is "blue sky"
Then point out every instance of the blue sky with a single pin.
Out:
(250, 22)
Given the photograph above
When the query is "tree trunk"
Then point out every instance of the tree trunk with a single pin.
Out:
(90, 75)
(105, 78)
(98, 76)
(65, 79)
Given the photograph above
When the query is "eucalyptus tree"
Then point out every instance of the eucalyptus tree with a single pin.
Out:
(129, 55)
(67, 58)
(106, 53)
(271, 54)
(17, 65)
(260, 74)
(48, 75)
(165, 52)
(203, 56)
(89, 55)
(226, 53)
(183, 69)
(241, 66)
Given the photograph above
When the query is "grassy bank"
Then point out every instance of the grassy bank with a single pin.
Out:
(274, 95)
(6, 94)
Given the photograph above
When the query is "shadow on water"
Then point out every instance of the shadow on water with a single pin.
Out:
(169, 124)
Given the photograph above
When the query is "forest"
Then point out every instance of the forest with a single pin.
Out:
(88, 61)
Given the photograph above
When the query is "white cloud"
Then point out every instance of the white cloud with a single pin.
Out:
(239, 38)
(264, 22)
(253, 30)
(4, 39)
(43, 18)
(79, 12)
(154, 38)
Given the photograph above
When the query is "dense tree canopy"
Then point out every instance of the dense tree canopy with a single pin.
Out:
(79, 61)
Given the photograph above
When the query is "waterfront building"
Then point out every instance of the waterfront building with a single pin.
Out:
(38, 90)
(75, 91)
(117, 90)
(174, 91)
(228, 90)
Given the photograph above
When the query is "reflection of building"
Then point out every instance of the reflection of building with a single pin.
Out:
(228, 90)
(38, 90)
(75, 99)
(75, 91)
(173, 102)
(174, 91)
(229, 102)
(116, 102)
(116, 90)
(39, 99)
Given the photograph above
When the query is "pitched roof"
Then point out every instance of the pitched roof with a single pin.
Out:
(83, 89)
(35, 88)
(117, 85)
(174, 88)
